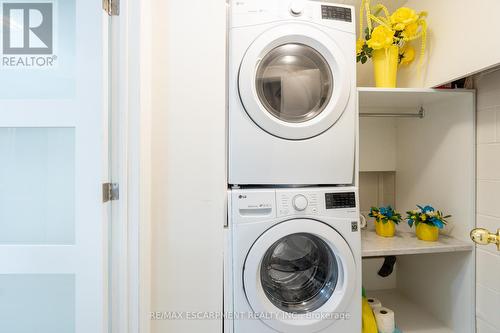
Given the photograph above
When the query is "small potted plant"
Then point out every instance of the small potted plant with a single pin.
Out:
(386, 219)
(427, 221)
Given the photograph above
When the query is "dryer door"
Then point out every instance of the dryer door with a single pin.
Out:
(299, 276)
(294, 82)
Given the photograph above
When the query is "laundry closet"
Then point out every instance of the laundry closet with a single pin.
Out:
(417, 147)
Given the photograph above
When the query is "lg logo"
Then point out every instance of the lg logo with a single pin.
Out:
(28, 28)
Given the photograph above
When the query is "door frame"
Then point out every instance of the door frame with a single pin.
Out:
(130, 105)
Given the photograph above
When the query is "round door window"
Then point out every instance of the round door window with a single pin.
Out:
(299, 273)
(294, 83)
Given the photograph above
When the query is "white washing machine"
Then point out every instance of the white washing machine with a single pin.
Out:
(293, 261)
(292, 93)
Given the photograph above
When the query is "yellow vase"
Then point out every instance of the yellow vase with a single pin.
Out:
(385, 66)
(385, 229)
(427, 232)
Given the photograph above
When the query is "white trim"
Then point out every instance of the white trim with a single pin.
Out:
(107, 217)
(131, 106)
(118, 157)
(145, 169)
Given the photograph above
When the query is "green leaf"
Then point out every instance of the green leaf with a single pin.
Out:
(367, 34)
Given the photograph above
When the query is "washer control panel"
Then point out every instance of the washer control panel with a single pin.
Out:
(297, 203)
(300, 202)
(340, 200)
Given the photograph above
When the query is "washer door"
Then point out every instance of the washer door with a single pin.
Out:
(293, 81)
(299, 276)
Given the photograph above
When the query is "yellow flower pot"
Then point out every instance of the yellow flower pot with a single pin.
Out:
(427, 232)
(385, 229)
(385, 66)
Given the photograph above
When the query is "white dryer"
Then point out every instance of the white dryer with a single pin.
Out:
(292, 93)
(293, 261)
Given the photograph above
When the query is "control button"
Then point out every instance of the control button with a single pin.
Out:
(297, 8)
(284, 212)
(300, 202)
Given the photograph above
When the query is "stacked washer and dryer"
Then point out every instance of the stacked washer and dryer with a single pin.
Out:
(293, 248)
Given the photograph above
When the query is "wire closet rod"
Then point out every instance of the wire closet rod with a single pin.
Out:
(420, 114)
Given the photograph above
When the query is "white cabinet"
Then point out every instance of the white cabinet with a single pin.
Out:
(461, 42)
(432, 161)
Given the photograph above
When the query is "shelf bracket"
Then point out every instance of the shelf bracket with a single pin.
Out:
(420, 114)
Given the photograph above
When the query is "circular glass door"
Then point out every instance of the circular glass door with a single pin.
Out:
(294, 82)
(297, 268)
(299, 273)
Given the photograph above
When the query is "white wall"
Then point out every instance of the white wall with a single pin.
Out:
(488, 200)
(188, 161)
(376, 189)
(377, 133)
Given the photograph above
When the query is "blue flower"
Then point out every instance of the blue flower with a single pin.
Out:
(387, 211)
(410, 222)
(437, 222)
(426, 209)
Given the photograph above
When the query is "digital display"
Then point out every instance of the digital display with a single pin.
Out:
(336, 13)
(340, 200)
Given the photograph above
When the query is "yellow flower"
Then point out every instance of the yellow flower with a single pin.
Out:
(410, 30)
(382, 37)
(359, 45)
(423, 217)
(408, 53)
(403, 17)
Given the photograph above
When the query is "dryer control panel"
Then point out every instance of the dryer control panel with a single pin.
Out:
(254, 12)
(329, 12)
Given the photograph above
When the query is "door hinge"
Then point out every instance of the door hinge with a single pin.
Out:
(112, 7)
(110, 192)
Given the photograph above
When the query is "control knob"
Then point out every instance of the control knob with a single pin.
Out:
(300, 202)
(297, 8)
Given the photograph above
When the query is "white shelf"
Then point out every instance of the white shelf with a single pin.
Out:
(410, 317)
(404, 98)
(407, 243)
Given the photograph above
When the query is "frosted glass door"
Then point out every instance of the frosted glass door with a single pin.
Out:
(53, 144)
